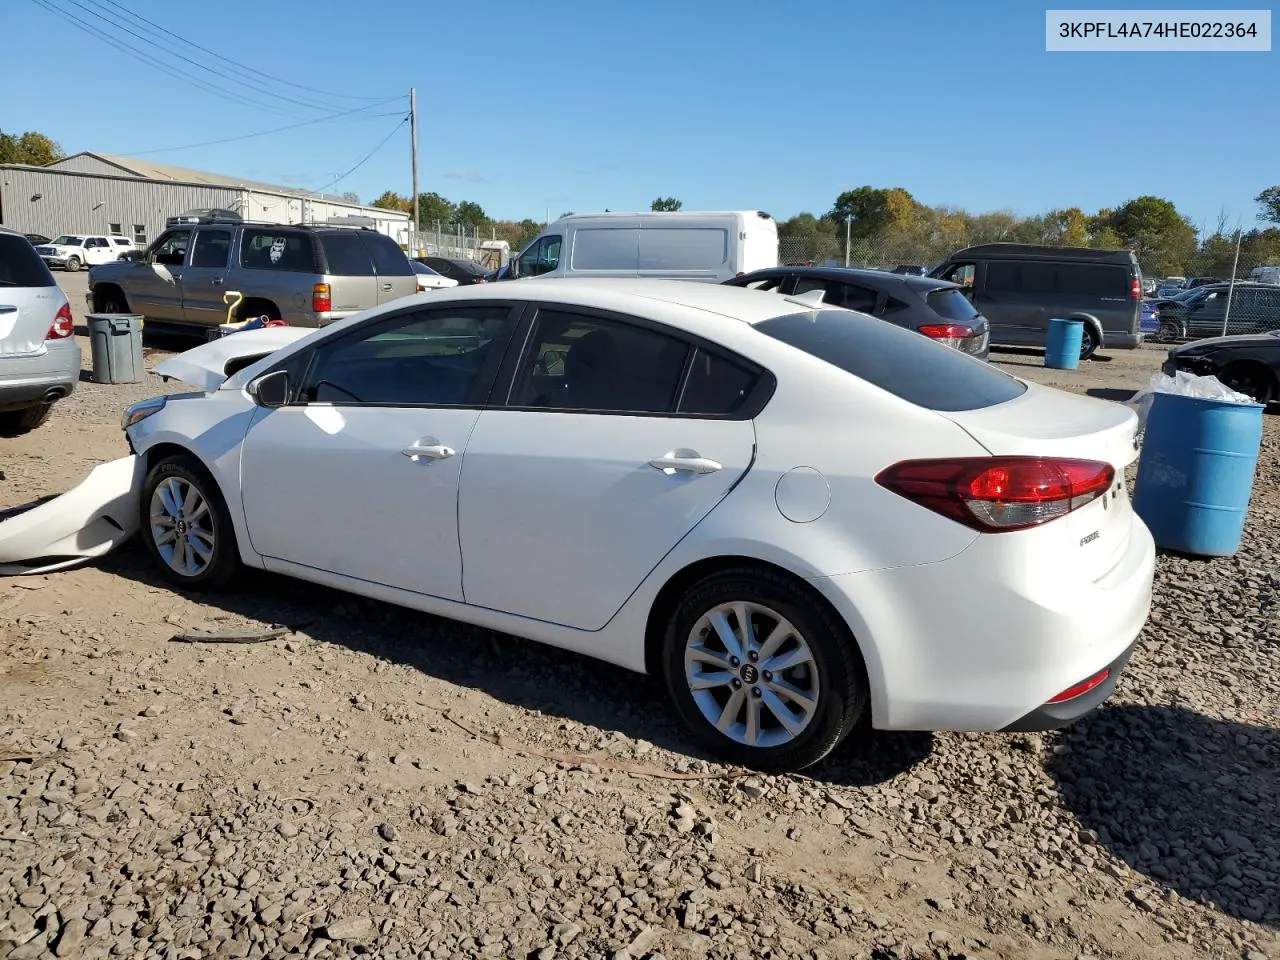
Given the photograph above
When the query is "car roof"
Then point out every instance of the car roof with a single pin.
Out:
(1035, 251)
(866, 274)
(667, 298)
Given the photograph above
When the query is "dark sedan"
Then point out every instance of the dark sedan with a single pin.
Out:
(464, 271)
(1249, 363)
(935, 308)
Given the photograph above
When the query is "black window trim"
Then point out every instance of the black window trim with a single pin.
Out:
(482, 389)
(517, 357)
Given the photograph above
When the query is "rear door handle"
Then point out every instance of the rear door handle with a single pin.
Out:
(427, 449)
(684, 461)
(386, 286)
(216, 281)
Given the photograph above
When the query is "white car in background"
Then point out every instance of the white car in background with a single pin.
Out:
(429, 279)
(71, 251)
(794, 513)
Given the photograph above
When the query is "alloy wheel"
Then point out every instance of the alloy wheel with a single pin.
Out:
(182, 526)
(752, 674)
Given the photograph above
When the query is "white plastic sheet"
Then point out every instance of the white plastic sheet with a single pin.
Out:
(1182, 384)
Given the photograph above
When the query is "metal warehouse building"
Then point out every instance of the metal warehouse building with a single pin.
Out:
(97, 193)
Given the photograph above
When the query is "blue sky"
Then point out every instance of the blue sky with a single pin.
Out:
(572, 105)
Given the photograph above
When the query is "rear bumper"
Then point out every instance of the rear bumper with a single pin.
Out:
(1053, 716)
(983, 641)
(25, 381)
(1122, 341)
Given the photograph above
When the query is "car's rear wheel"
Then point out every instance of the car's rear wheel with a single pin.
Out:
(761, 673)
(73, 264)
(1169, 332)
(1089, 342)
(185, 525)
(1252, 379)
(26, 419)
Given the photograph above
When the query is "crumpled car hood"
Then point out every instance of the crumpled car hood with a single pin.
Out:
(205, 367)
(88, 521)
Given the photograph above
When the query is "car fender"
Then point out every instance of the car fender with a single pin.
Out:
(1094, 323)
(89, 520)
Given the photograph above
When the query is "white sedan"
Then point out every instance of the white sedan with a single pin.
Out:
(429, 279)
(794, 513)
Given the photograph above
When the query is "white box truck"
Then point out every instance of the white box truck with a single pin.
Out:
(708, 246)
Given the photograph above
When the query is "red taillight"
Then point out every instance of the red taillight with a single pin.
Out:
(321, 298)
(1081, 688)
(63, 325)
(999, 494)
(1135, 288)
(946, 331)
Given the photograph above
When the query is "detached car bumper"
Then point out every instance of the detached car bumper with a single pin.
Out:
(28, 380)
(88, 521)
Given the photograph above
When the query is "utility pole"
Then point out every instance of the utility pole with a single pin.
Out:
(413, 135)
(848, 220)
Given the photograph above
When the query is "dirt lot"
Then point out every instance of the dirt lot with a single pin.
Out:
(382, 783)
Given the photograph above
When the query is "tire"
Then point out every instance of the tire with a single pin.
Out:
(831, 675)
(25, 420)
(112, 303)
(73, 264)
(1169, 332)
(163, 509)
(1089, 342)
(1250, 378)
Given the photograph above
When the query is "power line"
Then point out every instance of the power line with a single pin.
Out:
(264, 133)
(190, 43)
(368, 156)
(115, 23)
(231, 95)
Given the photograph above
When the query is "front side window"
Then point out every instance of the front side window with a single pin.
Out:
(437, 357)
(542, 257)
(963, 274)
(171, 249)
(211, 249)
(589, 363)
(266, 249)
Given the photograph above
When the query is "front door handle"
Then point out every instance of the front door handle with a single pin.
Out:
(684, 461)
(386, 286)
(216, 281)
(427, 449)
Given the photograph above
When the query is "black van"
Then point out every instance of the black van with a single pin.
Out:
(1020, 287)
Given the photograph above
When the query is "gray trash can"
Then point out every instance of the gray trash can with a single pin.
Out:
(115, 341)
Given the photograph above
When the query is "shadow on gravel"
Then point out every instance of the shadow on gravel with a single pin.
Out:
(522, 673)
(1189, 801)
(1109, 393)
(1034, 353)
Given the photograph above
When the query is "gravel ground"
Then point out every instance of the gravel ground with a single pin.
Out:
(382, 783)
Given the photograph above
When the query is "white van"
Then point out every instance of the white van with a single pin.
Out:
(711, 247)
(1265, 275)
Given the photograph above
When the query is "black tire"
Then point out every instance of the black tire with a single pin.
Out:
(1089, 342)
(840, 682)
(224, 561)
(113, 303)
(1169, 332)
(25, 420)
(1252, 379)
(73, 264)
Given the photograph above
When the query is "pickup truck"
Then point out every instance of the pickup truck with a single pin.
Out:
(71, 251)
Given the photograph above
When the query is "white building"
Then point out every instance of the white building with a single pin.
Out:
(98, 193)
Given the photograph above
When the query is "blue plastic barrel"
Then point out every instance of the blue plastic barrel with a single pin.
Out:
(1195, 474)
(1062, 348)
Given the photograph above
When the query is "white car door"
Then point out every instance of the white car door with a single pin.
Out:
(358, 474)
(573, 493)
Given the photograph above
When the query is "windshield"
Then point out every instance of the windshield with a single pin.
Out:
(423, 269)
(67, 240)
(902, 362)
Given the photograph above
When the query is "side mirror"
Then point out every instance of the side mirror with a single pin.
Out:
(513, 268)
(134, 256)
(270, 390)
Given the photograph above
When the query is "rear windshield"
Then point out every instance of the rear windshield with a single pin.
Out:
(951, 304)
(902, 362)
(20, 265)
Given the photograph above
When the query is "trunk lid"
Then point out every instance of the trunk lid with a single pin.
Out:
(205, 367)
(29, 298)
(1053, 423)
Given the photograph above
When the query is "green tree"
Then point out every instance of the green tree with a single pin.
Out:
(665, 205)
(1068, 227)
(30, 147)
(873, 211)
(471, 214)
(390, 200)
(567, 213)
(433, 208)
(806, 237)
(1269, 199)
(351, 196)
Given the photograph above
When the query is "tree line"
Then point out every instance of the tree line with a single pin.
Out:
(882, 223)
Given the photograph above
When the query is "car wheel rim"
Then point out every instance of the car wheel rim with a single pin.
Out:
(752, 674)
(182, 526)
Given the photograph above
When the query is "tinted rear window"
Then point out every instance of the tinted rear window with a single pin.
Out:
(20, 265)
(1044, 276)
(899, 361)
(388, 259)
(277, 250)
(346, 255)
(951, 305)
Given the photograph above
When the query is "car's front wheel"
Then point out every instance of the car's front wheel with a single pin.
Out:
(185, 524)
(1169, 332)
(73, 264)
(761, 673)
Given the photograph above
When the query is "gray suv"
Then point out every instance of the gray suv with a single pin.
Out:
(308, 276)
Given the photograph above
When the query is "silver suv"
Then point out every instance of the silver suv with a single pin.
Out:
(307, 276)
